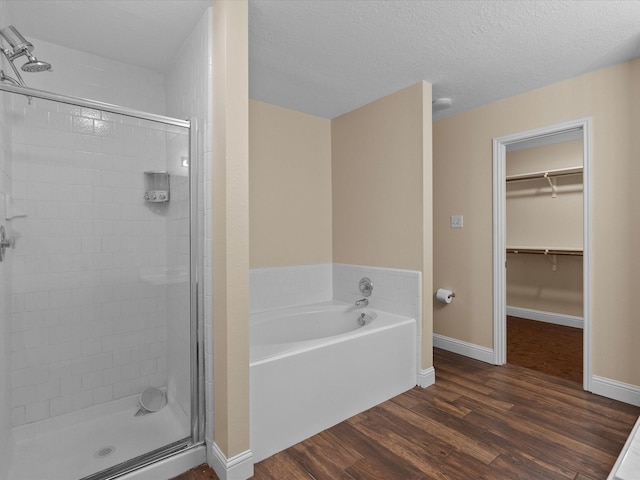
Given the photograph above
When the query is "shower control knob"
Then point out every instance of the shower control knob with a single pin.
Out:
(5, 242)
(156, 196)
(365, 286)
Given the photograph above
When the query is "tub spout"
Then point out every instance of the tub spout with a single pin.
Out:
(363, 302)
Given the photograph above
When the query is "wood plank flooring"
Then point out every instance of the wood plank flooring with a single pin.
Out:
(478, 421)
(545, 347)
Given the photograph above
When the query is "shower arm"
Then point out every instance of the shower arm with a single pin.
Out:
(15, 70)
(6, 78)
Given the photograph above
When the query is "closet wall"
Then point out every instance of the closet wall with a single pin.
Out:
(538, 220)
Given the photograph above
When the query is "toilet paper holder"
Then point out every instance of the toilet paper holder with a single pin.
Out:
(445, 296)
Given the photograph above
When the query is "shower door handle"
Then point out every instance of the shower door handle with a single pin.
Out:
(5, 242)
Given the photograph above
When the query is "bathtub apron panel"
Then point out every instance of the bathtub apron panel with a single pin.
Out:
(298, 394)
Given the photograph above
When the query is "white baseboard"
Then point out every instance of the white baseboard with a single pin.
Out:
(238, 467)
(470, 350)
(548, 317)
(623, 392)
(620, 391)
(427, 377)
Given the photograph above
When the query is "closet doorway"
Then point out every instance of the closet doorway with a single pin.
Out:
(541, 250)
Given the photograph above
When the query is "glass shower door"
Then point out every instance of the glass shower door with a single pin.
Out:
(98, 204)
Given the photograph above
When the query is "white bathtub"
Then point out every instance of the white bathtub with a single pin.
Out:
(314, 366)
(627, 466)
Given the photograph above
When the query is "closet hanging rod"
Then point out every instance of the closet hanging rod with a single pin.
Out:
(546, 251)
(558, 172)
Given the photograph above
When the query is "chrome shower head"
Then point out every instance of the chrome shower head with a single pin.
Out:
(35, 65)
(18, 46)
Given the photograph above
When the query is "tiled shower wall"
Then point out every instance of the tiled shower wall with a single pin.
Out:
(281, 287)
(178, 281)
(5, 285)
(89, 319)
(89, 316)
(83, 75)
(189, 94)
(395, 291)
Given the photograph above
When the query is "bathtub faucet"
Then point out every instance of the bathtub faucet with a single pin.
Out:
(363, 302)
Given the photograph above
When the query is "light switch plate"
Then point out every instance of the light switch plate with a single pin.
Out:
(456, 221)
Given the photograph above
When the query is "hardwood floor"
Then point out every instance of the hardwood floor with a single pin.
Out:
(477, 422)
(545, 347)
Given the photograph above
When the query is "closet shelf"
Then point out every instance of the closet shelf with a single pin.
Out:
(546, 251)
(558, 172)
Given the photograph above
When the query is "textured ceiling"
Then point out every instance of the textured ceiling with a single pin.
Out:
(329, 57)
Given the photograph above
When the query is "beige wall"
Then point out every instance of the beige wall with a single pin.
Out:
(531, 283)
(354, 190)
(547, 157)
(231, 226)
(381, 177)
(536, 219)
(463, 185)
(290, 185)
(377, 156)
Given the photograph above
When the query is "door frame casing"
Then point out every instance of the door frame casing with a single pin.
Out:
(499, 236)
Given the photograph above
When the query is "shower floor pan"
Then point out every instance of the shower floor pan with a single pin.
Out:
(78, 444)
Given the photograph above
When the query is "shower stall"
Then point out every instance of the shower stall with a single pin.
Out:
(99, 304)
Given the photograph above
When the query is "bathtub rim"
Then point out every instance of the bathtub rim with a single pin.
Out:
(260, 318)
(260, 354)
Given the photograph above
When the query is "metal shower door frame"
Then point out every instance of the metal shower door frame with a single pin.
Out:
(196, 310)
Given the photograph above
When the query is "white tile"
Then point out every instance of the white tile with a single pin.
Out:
(29, 376)
(139, 384)
(70, 385)
(158, 379)
(60, 405)
(122, 389)
(280, 287)
(70, 350)
(37, 411)
(111, 376)
(24, 395)
(48, 389)
(91, 346)
(130, 371)
(82, 400)
(140, 353)
(103, 394)
(91, 380)
(18, 416)
(148, 367)
(61, 369)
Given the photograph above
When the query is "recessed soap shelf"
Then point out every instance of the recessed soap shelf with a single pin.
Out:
(156, 187)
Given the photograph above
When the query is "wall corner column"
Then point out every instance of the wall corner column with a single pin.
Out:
(230, 455)
(427, 226)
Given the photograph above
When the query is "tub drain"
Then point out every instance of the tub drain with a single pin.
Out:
(104, 451)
